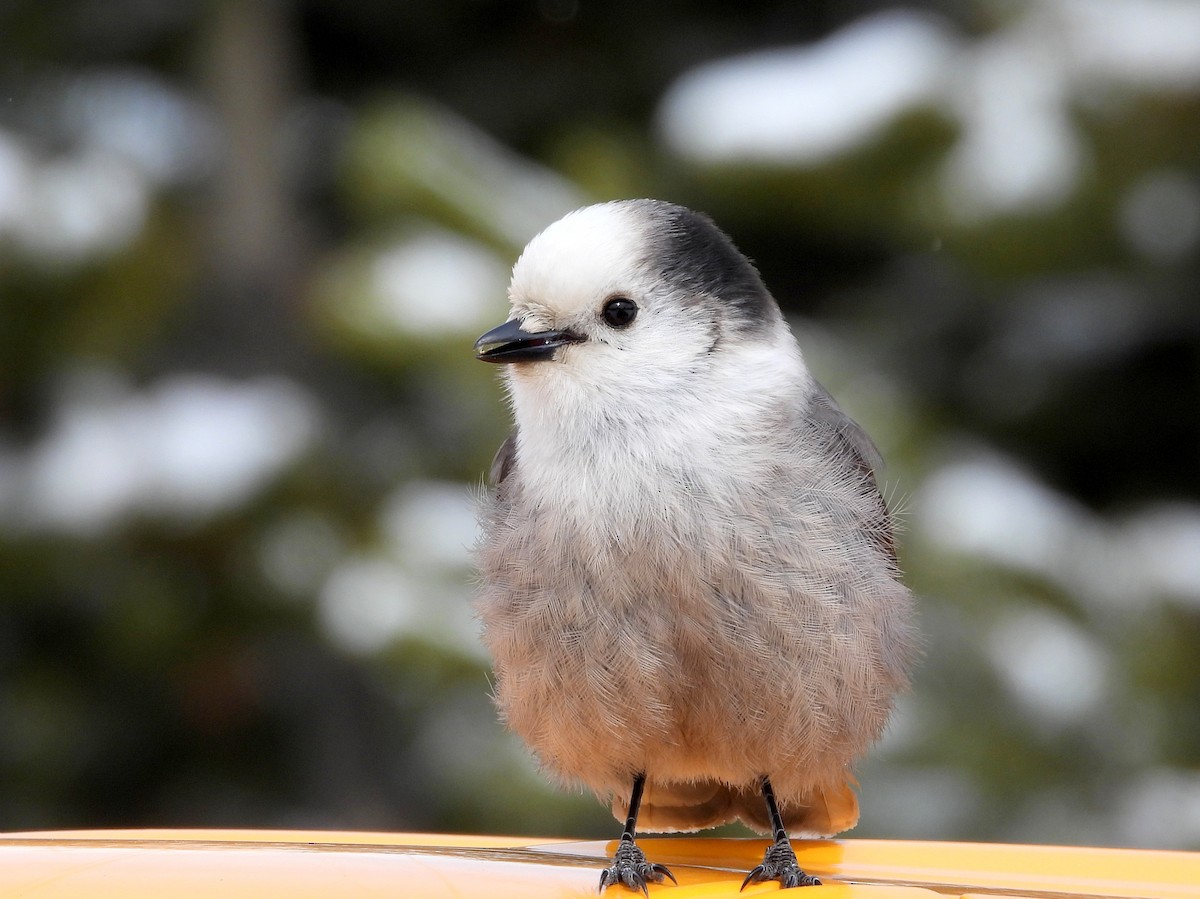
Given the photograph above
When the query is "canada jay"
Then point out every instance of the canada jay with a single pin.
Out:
(688, 582)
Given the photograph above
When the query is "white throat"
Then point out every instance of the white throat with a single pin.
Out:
(620, 440)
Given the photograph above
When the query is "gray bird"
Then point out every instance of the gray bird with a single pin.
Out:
(688, 582)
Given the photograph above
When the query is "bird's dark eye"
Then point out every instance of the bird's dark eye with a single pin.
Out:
(619, 312)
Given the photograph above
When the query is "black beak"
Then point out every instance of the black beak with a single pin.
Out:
(508, 343)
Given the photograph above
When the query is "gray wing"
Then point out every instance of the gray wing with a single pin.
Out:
(849, 439)
(850, 436)
(505, 461)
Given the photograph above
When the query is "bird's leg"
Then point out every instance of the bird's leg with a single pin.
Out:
(779, 862)
(630, 865)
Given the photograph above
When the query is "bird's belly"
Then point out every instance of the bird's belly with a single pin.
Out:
(604, 696)
(643, 654)
(685, 686)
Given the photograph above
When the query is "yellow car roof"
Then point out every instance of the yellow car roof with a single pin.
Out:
(231, 864)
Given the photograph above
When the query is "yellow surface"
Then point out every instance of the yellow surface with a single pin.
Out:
(239, 864)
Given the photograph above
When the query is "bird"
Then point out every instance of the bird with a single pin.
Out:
(687, 575)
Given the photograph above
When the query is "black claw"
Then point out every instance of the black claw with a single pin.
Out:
(663, 871)
(631, 868)
(610, 877)
(779, 863)
(754, 876)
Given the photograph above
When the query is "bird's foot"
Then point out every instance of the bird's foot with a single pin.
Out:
(779, 863)
(631, 867)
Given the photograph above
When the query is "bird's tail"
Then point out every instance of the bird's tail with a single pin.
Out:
(822, 813)
(673, 807)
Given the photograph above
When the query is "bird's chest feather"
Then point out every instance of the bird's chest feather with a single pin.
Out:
(671, 520)
(667, 546)
(651, 472)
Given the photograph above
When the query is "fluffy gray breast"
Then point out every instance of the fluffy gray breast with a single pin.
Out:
(814, 445)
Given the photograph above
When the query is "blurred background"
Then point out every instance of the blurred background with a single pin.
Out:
(245, 248)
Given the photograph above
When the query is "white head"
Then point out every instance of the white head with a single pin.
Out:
(636, 311)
